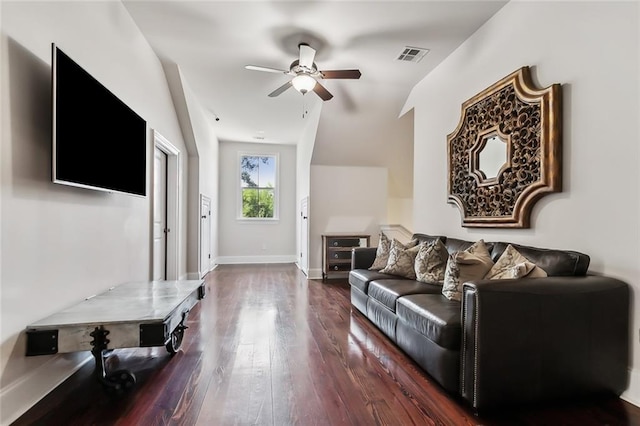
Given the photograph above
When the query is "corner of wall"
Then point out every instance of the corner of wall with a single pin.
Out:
(315, 274)
(20, 396)
(632, 394)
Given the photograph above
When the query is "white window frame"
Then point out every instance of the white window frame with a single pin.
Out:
(276, 191)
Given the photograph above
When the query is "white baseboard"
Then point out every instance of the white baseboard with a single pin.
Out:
(632, 394)
(306, 273)
(192, 276)
(18, 397)
(211, 268)
(315, 274)
(232, 260)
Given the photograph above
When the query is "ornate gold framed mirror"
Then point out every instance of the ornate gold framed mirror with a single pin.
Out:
(506, 152)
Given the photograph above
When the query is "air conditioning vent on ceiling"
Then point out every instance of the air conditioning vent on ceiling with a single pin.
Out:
(412, 54)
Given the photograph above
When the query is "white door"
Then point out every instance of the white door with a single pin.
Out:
(205, 235)
(304, 235)
(160, 216)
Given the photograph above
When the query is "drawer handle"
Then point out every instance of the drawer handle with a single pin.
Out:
(335, 268)
(336, 255)
(335, 244)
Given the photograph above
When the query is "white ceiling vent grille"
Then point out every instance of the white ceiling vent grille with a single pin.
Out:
(412, 54)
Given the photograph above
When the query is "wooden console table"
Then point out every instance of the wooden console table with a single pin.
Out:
(336, 252)
(138, 314)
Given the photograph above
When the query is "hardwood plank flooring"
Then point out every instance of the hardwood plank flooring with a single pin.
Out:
(268, 347)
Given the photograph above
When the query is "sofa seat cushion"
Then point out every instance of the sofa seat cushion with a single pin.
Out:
(360, 278)
(434, 316)
(387, 291)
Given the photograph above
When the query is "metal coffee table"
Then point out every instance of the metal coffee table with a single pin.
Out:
(137, 314)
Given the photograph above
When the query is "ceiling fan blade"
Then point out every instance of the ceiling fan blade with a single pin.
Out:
(267, 69)
(322, 92)
(355, 74)
(280, 89)
(307, 55)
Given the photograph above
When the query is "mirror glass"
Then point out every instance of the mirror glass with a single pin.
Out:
(493, 156)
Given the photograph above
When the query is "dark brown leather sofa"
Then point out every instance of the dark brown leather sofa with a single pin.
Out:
(515, 341)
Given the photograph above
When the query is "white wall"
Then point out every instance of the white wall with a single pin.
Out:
(203, 127)
(345, 200)
(201, 157)
(304, 152)
(345, 141)
(592, 49)
(400, 212)
(61, 244)
(243, 241)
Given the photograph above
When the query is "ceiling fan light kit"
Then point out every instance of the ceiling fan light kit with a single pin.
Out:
(306, 74)
(303, 83)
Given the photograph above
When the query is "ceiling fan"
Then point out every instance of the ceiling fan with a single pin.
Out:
(306, 74)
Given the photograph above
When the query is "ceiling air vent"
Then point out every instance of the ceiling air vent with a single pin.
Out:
(412, 54)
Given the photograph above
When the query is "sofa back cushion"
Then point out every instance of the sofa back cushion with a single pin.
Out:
(555, 263)
(462, 266)
(428, 238)
(453, 245)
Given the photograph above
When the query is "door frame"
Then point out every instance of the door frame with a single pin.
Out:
(173, 192)
(303, 261)
(204, 269)
(159, 202)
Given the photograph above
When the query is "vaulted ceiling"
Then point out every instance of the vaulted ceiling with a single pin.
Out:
(212, 41)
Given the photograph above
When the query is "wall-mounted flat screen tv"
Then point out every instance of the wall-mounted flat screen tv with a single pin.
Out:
(98, 141)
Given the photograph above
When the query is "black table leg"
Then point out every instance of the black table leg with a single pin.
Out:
(116, 382)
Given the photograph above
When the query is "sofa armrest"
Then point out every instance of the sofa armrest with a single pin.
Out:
(363, 257)
(528, 340)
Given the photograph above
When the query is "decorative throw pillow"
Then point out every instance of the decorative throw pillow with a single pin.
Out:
(463, 266)
(382, 253)
(401, 260)
(431, 262)
(512, 264)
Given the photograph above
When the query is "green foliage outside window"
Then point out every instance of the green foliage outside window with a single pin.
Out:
(257, 202)
(258, 186)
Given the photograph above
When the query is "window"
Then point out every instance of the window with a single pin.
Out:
(258, 186)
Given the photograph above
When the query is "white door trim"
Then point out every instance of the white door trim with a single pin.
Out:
(173, 185)
(303, 262)
(159, 215)
(204, 251)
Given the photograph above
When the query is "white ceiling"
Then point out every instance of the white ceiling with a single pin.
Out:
(212, 41)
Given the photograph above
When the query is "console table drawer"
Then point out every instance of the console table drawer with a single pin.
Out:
(340, 254)
(343, 242)
(336, 252)
(340, 267)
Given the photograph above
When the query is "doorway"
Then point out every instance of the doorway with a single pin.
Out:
(205, 235)
(159, 215)
(165, 233)
(304, 236)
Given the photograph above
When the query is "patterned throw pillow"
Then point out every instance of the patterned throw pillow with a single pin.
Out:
(382, 253)
(401, 260)
(462, 266)
(512, 264)
(431, 262)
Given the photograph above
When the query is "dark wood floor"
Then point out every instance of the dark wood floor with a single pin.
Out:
(268, 347)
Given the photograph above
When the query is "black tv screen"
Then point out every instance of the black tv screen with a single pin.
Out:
(98, 141)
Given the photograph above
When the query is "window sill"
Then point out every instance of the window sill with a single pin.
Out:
(258, 220)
